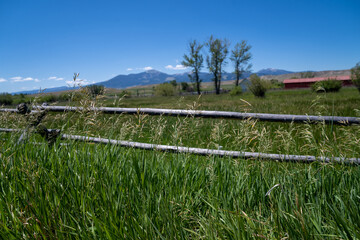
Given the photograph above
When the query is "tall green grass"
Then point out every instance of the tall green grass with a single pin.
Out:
(88, 191)
(101, 191)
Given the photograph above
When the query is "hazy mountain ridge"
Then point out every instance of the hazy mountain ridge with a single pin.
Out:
(272, 71)
(143, 78)
(156, 77)
(47, 90)
(152, 77)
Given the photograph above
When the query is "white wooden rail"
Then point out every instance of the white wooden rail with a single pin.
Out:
(204, 151)
(206, 114)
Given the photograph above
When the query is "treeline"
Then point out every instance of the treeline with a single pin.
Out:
(9, 99)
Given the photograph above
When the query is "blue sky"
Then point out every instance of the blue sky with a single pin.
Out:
(43, 42)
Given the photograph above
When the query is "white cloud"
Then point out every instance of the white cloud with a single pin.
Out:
(29, 88)
(177, 67)
(140, 69)
(72, 83)
(78, 82)
(16, 79)
(56, 78)
(2, 80)
(21, 79)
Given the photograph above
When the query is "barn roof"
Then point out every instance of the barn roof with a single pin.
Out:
(303, 80)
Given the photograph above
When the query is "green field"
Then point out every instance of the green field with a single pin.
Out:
(88, 191)
(302, 101)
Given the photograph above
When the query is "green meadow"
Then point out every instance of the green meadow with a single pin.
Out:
(76, 190)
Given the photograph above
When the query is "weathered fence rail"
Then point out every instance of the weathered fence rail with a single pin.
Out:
(206, 152)
(338, 120)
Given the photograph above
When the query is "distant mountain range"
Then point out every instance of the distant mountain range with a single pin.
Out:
(155, 77)
(272, 71)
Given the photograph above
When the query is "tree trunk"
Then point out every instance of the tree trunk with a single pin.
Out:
(198, 88)
(217, 90)
(237, 79)
(197, 83)
(218, 84)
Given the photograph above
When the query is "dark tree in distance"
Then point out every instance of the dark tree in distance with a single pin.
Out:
(218, 50)
(194, 60)
(241, 56)
(355, 75)
(173, 82)
(185, 86)
(95, 90)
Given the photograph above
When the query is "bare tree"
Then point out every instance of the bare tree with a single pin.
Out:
(241, 56)
(218, 50)
(195, 61)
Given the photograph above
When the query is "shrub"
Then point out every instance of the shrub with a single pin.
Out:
(329, 85)
(6, 99)
(65, 96)
(71, 96)
(125, 94)
(173, 82)
(237, 90)
(257, 86)
(165, 89)
(276, 84)
(21, 98)
(355, 75)
(184, 86)
(48, 98)
(95, 90)
(77, 96)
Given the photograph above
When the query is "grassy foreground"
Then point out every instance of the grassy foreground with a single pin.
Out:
(93, 191)
(88, 191)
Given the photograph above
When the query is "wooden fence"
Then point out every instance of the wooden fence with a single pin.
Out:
(338, 120)
(207, 152)
(200, 113)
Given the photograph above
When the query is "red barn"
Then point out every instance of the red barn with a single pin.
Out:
(307, 82)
